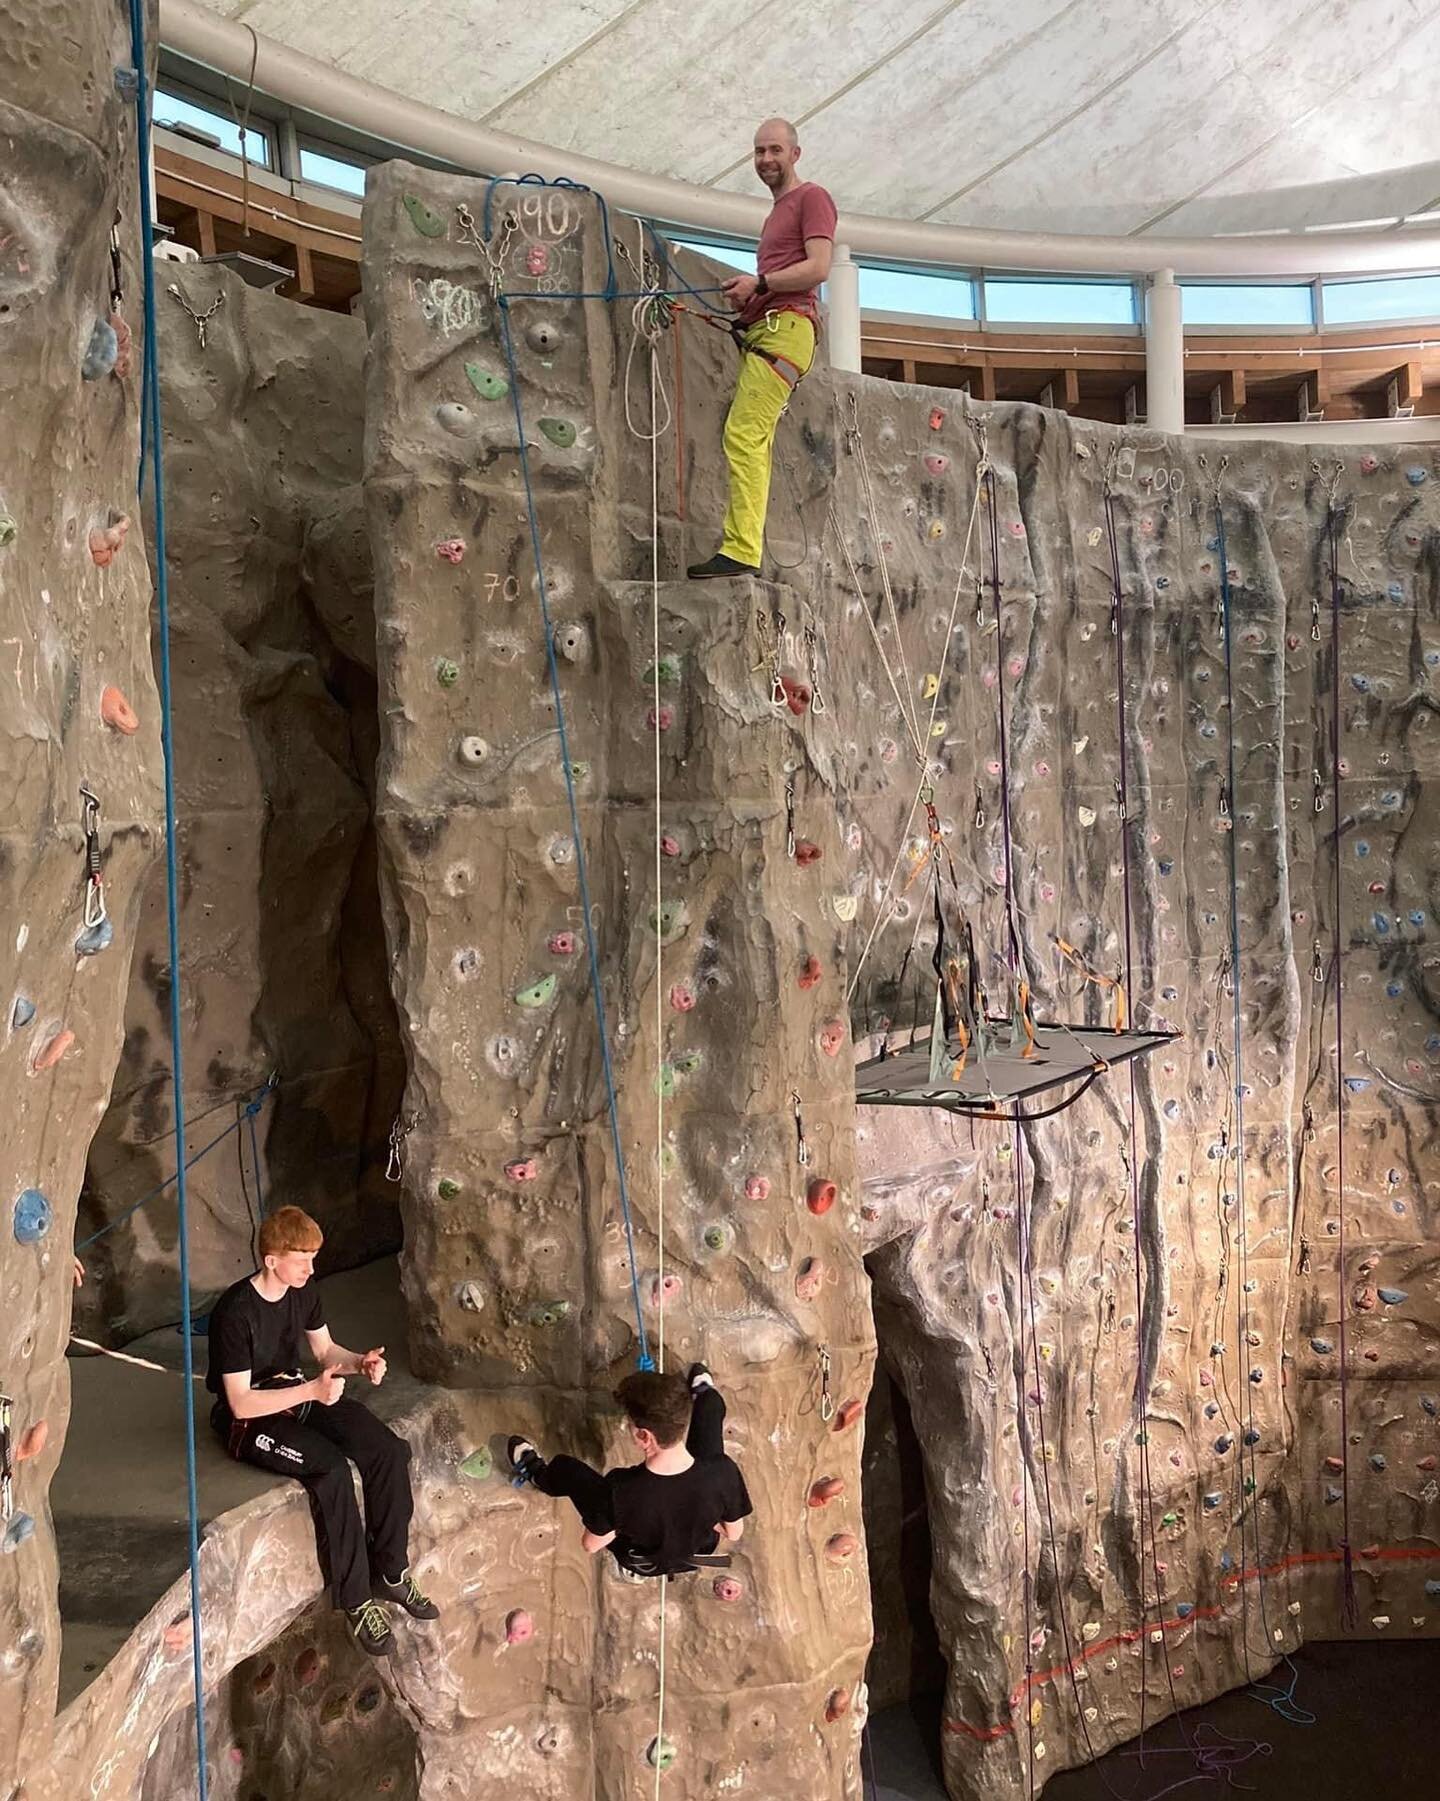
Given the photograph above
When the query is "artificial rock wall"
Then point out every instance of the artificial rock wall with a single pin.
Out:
(285, 977)
(724, 992)
(77, 706)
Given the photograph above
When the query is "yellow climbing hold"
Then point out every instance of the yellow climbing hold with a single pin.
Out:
(932, 687)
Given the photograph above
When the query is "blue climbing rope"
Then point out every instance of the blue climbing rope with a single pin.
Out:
(645, 1360)
(150, 393)
(533, 180)
(251, 1109)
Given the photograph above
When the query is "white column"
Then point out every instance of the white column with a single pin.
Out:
(842, 292)
(1164, 354)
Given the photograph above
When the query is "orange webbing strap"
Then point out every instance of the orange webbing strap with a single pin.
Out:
(1027, 1019)
(1069, 951)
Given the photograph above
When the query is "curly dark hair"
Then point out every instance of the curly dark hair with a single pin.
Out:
(658, 1404)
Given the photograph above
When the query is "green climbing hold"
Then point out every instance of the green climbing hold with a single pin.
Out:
(716, 1237)
(670, 919)
(549, 1313)
(9, 531)
(1169, 1519)
(669, 1162)
(486, 384)
(538, 994)
(580, 772)
(660, 1754)
(664, 674)
(447, 672)
(560, 432)
(425, 219)
(479, 1465)
(665, 1081)
(1142, 1438)
(689, 1063)
(446, 1189)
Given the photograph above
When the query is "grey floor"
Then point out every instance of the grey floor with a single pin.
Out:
(1373, 1734)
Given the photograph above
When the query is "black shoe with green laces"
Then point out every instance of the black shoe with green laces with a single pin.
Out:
(403, 1593)
(371, 1628)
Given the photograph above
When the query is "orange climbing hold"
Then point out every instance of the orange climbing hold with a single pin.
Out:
(122, 346)
(837, 1706)
(52, 1051)
(34, 1441)
(826, 1489)
(117, 712)
(847, 1414)
(106, 540)
(821, 1196)
(841, 1548)
(810, 973)
(807, 852)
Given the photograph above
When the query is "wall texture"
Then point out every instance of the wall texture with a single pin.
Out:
(275, 734)
(74, 635)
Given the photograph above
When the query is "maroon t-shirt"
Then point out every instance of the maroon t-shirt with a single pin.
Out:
(807, 211)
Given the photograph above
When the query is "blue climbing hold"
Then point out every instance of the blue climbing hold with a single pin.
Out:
(1227, 1562)
(1415, 475)
(1252, 1437)
(1360, 683)
(1428, 1402)
(1213, 1500)
(1322, 1347)
(20, 1528)
(100, 354)
(1381, 925)
(1357, 1084)
(1332, 1495)
(1377, 1461)
(1394, 990)
(1396, 591)
(1223, 1443)
(1416, 916)
(95, 939)
(33, 1217)
(1212, 1408)
(22, 1012)
(1392, 1297)
(1432, 1588)
(1362, 847)
(1183, 1609)
(1167, 866)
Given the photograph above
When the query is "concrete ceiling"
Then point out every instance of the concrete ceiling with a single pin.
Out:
(1112, 116)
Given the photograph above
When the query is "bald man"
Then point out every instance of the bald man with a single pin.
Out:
(777, 317)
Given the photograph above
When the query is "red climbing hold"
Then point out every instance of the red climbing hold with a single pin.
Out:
(821, 1196)
(682, 998)
(809, 1278)
(33, 1442)
(519, 1627)
(522, 1169)
(810, 974)
(797, 695)
(52, 1051)
(841, 1548)
(669, 845)
(1426, 1463)
(660, 719)
(937, 417)
(452, 549)
(727, 1589)
(832, 1036)
(117, 712)
(849, 1412)
(537, 259)
(838, 1705)
(757, 1188)
(561, 944)
(826, 1489)
(807, 852)
(122, 346)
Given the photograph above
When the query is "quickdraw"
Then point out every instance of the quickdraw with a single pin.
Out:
(395, 1164)
(7, 1460)
(827, 1400)
(94, 861)
(802, 1149)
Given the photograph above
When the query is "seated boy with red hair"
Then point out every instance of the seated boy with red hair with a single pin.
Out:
(268, 1414)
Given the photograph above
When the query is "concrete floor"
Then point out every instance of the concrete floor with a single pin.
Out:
(118, 1496)
(1373, 1735)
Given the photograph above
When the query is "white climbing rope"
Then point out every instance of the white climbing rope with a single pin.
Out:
(857, 440)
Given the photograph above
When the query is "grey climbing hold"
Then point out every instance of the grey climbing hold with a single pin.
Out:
(22, 1012)
(473, 751)
(471, 1297)
(456, 418)
(95, 939)
(543, 336)
(560, 432)
(101, 352)
(1378, 1461)
(1224, 1443)
(670, 919)
(572, 640)
(549, 1313)
(425, 219)
(1322, 1347)
(20, 1528)
(33, 1216)
(9, 531)
(479, 1464)
(485, 382)
(1392, 1297)
(1431, 1406)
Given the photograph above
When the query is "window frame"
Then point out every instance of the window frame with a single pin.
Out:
(1058, 278)
(259, 125)
(1245, 328)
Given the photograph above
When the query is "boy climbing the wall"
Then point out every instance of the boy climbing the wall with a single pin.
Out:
(659, 1516)
(777, 320)
(269, 1415)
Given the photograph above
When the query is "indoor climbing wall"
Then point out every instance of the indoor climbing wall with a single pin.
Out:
(77, 701)
(273, 654)
(512, 856)
(1096, 1338)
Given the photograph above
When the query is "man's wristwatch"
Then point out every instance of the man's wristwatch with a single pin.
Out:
(761, 285)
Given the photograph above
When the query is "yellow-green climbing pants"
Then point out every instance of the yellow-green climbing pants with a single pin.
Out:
(761, 394)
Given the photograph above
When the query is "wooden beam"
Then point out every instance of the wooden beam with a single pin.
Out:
(205, 225)
(1404, 389)
(907, 370)
(304, 273)
(987, 380)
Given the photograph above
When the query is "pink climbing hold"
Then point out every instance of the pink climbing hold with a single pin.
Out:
(847, 1414)
(33, 1442)
(519, 1627)
(841, 1548)
(123, 343)
(727, 1589)
(757, 1188)
(669, 845)
(537, 259)
(522, 1169)
(832, 1036)
(561, 944)
(810, 973)
(838, 1705)
(937, 464)
(821, 1196)
(937, 417)
(660, 719)
(682, 998)
(807, 852)
(797, 695)
(825, 1490)
(809, 1278)
(106, 540)
(452, 549)
(664, 1289)
(117, 712)
(52, 1051)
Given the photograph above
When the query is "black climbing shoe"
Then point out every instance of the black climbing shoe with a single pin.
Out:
(698, 1377)
(405, 1594)
(523, 1456)
(719, 564)
(371, 1628)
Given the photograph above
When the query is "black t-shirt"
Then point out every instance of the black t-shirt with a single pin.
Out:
(247, 1332)
(663, 1521)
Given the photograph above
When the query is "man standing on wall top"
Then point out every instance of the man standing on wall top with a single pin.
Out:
(777, 321)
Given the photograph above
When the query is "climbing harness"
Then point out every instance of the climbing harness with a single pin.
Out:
(200, 321)
(95, 912)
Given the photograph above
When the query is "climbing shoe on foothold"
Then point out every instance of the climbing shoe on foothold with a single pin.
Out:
(403, 1593)
(371, 1628)
(698, 1377)
(719, 564)
(523, 1457)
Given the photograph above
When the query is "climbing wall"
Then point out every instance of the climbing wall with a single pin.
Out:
(275, 728)
(1126, 1446)
(77, 709)
(723, 992)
